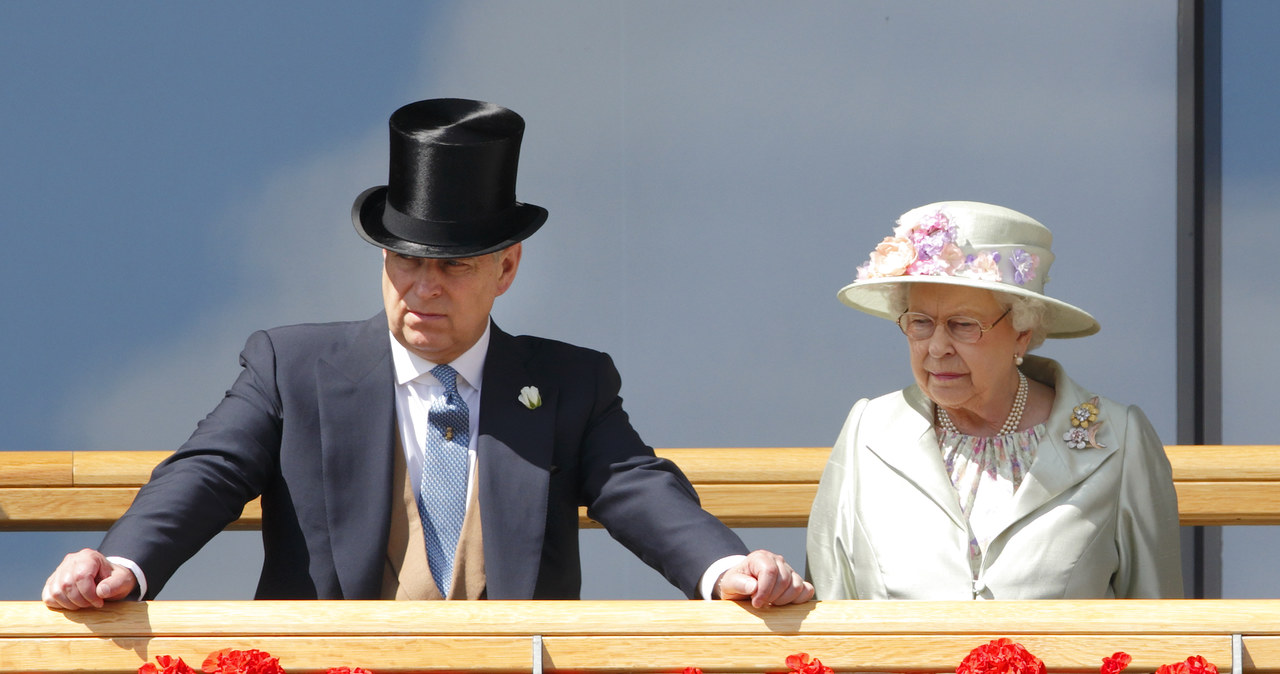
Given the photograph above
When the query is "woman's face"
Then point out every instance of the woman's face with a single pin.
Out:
(976, 378)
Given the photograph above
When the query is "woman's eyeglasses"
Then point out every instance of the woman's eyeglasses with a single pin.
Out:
(918, 326)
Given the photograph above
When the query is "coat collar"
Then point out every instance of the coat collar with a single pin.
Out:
(1058, 467)
(357, 421)
(905, 440)
(514, 459)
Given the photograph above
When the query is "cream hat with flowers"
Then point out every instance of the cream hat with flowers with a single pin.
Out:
(966, 243)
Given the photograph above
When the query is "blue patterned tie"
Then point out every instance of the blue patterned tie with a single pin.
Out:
(442, 493)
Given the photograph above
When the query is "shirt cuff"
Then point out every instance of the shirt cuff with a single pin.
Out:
(138, 575)
(713, 573)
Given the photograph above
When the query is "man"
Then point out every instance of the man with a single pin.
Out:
(444, 460)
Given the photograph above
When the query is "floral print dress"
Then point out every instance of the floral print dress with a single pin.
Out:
(986, 472)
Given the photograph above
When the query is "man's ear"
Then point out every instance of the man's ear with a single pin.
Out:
(509, 261)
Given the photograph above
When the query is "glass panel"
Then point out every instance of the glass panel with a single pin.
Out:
(1251, 292)
(715, 172)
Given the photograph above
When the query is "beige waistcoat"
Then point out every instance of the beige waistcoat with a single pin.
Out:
(407, 575)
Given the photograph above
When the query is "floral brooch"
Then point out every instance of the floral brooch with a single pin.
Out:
(1084, 426)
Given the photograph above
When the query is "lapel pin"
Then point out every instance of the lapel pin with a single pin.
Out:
(1084, 426)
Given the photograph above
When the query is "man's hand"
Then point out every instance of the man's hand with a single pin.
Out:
(85, 579)
(766, 579)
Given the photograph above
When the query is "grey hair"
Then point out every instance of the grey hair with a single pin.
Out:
(1025, 313)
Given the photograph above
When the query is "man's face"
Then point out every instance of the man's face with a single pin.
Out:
(439, 308)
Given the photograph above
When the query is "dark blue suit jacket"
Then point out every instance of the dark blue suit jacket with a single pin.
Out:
(310, 427)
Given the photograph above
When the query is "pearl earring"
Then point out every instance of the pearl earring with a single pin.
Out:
(1017, 360)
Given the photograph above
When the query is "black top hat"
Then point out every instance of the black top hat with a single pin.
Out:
(451, 189)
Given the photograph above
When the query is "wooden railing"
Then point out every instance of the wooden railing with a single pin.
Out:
(639, 636)
(745, 487)
(751, 487)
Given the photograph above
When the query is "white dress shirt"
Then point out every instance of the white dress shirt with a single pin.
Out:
(416, 389)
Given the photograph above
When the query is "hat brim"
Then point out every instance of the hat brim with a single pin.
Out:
(516, 225)
(1061, 320)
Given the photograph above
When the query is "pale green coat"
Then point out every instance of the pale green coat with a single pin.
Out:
(1085, 524)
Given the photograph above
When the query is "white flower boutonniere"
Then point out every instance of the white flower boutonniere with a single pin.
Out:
(530, 397)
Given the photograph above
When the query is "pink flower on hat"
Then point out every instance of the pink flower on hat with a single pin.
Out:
(929, 234)
(890, 258)
(982, 267)
(942, 263)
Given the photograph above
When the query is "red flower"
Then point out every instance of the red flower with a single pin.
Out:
(1193, 665)
(167, 665)
(358, 670)
(1115, 663)
(1000, 656)
(1198, 665)
(800, 662)
(691, 670)
(252, 661)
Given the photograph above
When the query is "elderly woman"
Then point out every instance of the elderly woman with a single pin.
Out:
(995, 476)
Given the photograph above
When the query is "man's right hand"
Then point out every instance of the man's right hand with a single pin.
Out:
(85, 579)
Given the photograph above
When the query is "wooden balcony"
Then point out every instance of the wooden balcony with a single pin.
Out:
(639, 636)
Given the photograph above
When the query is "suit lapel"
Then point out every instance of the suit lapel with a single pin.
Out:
(906, 443)
(355, 394)
(1057, 467)
(514, 455)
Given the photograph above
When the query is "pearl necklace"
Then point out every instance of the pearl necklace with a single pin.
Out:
(1010, 424)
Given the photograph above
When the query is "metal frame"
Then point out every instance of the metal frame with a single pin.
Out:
(1199, 259)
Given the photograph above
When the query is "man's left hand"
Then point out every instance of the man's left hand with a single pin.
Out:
(766, 579)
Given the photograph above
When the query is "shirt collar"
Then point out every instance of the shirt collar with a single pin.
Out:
(470, 365)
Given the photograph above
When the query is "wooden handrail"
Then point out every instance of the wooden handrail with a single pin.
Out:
(645, 636)
(745, 487)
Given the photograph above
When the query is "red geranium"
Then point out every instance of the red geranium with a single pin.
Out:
(1116, 663)
(1195, 664)
(252, 661)
(1198, 665)
(166, 664)
(1000, 656)
(801, 663)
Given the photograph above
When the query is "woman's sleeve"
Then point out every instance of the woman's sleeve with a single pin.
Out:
(830, 519)
(1147, 532)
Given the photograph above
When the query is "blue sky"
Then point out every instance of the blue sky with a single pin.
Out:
(134, 135)
(178, 175)
(130, 132)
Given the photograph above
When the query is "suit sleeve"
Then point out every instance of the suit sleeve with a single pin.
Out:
(645, 502)
(203, 486)
(1147, 531)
